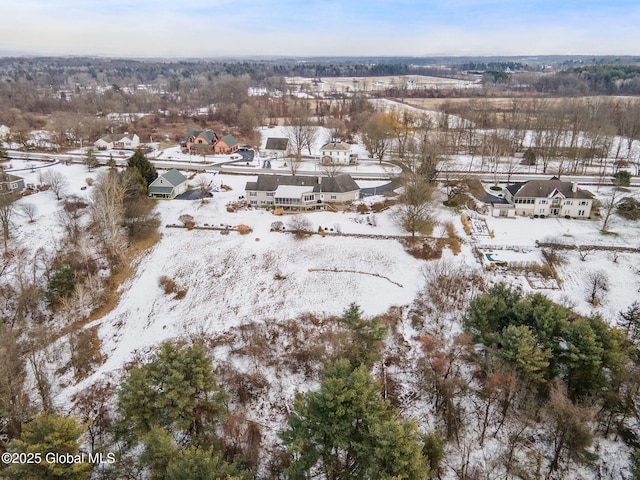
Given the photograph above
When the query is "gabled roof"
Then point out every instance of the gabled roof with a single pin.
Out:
(7, 177)
(336, 146)
(547, 189)
(338, 184)
(173, 177)
(274, 143)
(229, 140)
(208, 135)
(114, 137)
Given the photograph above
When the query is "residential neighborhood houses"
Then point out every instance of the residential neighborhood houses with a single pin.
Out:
(301, 193)
(543, 198)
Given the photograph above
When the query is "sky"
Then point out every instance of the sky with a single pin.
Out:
(218, 28)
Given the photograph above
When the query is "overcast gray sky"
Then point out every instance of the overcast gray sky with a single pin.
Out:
(189, 28)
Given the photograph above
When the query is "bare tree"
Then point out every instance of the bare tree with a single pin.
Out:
(203, 184)
(620, 180)
(57, 182)
(29, 210)
(377, 135)
(6, 211)
(414, 211)
(331, 169)
(571, 434)
(300, 225)
(300, 134)
(108, 211)
(597, 287)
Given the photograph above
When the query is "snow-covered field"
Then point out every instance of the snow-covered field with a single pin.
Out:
(263, 277)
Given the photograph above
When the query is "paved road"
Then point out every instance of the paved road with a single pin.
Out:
(236, 166)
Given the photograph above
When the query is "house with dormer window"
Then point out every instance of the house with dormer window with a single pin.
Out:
(544, 198)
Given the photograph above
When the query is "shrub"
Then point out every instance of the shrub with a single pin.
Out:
(466, 224)
(454, 245)
(300, 225)
(187, 220)
(277, 226)
(629, 208)
(167, 284)
(61, 283)
(244, 229)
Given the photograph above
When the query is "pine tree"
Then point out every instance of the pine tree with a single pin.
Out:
(142, 169)
(346, 430)
(368, 336)
(50, 434)
(520, 349)
(176, 391)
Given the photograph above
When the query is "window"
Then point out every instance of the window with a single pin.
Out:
(271, 194)
(543, 201)
(253, 194)
(542, 211)
(581, 213)
(334, 197)
(583, 202)
(254, 202)
(568, 202)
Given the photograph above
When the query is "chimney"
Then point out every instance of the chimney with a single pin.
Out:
(574, 187)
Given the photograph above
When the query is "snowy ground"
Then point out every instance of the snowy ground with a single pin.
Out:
(265, 277)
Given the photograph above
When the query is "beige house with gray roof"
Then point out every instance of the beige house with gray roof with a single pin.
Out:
(337, 153)
(544, 198)
(301, 193)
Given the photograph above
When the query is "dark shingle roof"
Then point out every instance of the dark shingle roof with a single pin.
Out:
(338, 184)
(547, 188)
(274, 143)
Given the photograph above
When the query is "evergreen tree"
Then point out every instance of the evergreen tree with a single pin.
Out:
(520, 350)
(346, 430)
(631, 322)
(52, 434)
(142, 169)
(176, 391)
(90, 160)
(368, 336)
(201, 464)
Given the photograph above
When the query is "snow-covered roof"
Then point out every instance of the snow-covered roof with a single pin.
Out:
(292, 191)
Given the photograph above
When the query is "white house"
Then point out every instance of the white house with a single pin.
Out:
(544, 198)
(125, 141)
(168, 185)
(337, 153)
(301, 192)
